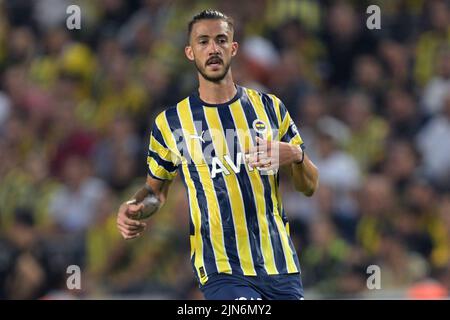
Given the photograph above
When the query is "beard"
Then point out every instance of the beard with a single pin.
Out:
(216, 78)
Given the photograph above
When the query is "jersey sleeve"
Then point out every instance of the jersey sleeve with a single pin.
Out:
(288, 131)
(162, 162)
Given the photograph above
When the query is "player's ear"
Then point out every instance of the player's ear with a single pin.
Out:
(234, 48)
(189, 53)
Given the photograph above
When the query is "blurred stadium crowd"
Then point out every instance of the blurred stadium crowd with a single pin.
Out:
(373, 107)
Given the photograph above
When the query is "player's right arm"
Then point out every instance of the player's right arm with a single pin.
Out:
(162, 165)
(127, 223)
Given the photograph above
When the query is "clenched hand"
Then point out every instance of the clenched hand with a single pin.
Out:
(128, 227)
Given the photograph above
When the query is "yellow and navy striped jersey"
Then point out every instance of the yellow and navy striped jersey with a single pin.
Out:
(237, 221)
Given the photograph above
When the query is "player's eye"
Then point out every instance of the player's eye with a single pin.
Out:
(203, 42)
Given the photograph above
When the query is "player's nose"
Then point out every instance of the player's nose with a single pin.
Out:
(213, 48)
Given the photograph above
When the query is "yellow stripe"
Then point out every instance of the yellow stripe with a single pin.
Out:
(234, 191)
(260, 112)
(215, 220)
(243, 132)
(284, 235)
(284, 126)
(288, 254)
(156, 147)
(197, 242)
(280, 204)
(296, 140)
(169, 139)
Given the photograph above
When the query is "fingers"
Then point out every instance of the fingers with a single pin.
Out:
(128, 227)
(130, 222)
(132, 237)
(254, 157)
(260, 159)
(261, 163)
(254, 149)
(124, 219)
(128, 234)
(264, 163)
(134, 209)
(261, 145)
(122, 209)
(131, 228)
(258, 155)
(272, 167)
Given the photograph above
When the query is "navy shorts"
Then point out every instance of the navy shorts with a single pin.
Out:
(263, 287)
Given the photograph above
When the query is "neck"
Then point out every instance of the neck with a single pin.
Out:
(217, 92)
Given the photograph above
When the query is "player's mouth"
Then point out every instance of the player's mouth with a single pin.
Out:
(214, 62)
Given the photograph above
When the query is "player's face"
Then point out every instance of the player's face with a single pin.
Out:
(211, 47)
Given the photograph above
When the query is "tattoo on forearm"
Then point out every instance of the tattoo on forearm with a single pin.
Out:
(141, 194)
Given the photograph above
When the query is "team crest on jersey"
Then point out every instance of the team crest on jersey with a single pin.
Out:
(259, 126)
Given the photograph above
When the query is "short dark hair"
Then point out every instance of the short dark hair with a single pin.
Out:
(210, 15)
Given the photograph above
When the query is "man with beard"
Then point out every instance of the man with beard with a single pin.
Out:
(227, 142)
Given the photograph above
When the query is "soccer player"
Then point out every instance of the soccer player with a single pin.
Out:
(227, 142)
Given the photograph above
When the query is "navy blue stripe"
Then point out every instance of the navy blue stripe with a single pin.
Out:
(291, 243)
(247, 193)
(283, 110)
(191, 225)
(222, 194)
(175, 127)
(285, 220)
(280, 208)
(169, 166)
(156, 133)
(288, 135)
(208, 253)
(269, 107)
(280, 260)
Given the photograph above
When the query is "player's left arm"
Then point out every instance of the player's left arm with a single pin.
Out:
(287, 151)
(305, 174)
